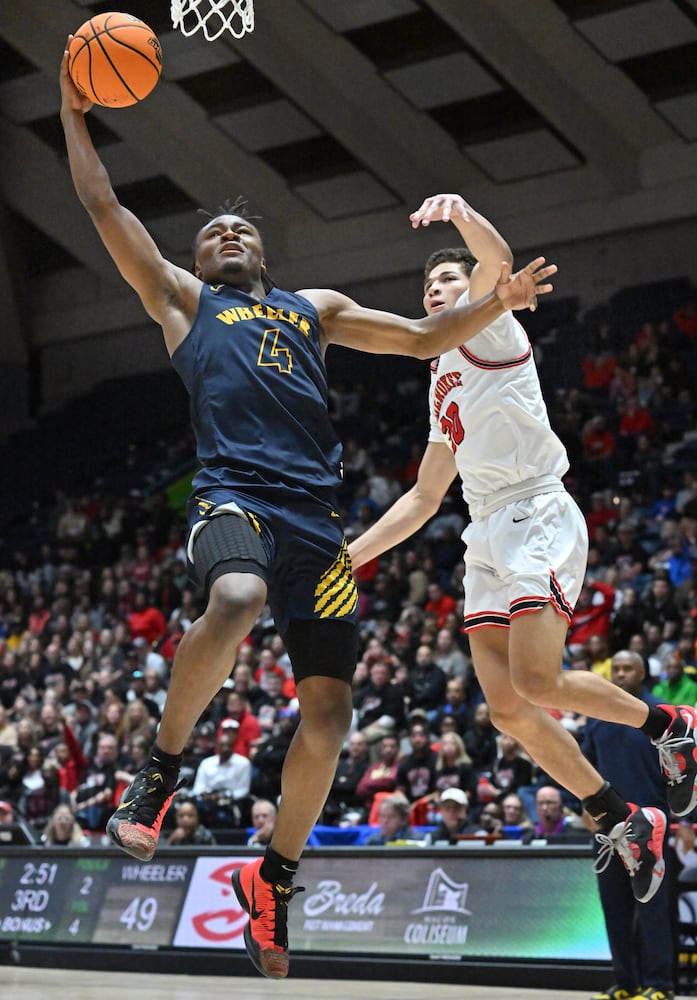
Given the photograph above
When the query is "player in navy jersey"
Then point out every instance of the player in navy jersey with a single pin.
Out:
(263, 521)
(526, 550)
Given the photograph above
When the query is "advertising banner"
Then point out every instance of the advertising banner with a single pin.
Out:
(457, 905)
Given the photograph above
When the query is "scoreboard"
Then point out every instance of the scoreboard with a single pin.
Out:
(84, 899)
(448, 903)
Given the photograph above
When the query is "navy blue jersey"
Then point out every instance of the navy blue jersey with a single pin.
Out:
(257, 384)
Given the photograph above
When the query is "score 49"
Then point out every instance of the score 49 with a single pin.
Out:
(127, 917)
(140, 914)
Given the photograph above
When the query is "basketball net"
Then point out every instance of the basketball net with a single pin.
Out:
(214, 17)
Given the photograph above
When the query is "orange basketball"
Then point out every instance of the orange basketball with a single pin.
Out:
(115, 59)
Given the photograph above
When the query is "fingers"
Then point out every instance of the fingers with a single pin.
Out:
(424, 215)
(438, 208)
(521, 290)
(534, 264)
(539, 273)
(545, 272)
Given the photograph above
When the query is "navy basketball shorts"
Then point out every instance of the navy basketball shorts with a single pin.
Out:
(296, 545)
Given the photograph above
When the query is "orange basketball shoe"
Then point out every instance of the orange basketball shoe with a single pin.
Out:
(135, 826)
(266, 934)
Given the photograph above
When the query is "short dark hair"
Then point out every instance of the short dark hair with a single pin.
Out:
(454, 255)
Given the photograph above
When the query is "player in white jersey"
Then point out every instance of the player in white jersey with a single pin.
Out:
(526, 552)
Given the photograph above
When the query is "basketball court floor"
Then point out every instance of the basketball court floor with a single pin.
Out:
(68, 984)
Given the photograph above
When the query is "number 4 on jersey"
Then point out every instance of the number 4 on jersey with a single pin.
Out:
(271, 355)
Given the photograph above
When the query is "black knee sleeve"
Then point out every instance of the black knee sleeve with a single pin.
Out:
(322, 647)
(228, 544)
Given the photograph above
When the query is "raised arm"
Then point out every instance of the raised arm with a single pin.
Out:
(412, 510)
(485, 243)
(169, 293)
(346, 323)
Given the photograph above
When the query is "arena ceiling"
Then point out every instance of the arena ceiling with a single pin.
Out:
(560, 118)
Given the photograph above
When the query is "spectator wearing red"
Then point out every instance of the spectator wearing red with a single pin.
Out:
(685, 319)
(636, 419)
(368, 571)
(174, 636)
(601, 511)
(598, 370)
(592, 614)
(598, 442)
(238, 718)
(39, 616)
(268, 665)
(146, 621)
(380, 776)
(439, 603)
(72, 763)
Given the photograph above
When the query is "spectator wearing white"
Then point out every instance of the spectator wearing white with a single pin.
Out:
(454, 818)
(148, 658)
(154, 687)
(221, 786)
(224, 772)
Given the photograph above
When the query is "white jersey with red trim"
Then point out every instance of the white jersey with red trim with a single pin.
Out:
(486, 404)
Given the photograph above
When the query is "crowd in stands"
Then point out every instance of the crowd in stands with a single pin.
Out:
(94, 598)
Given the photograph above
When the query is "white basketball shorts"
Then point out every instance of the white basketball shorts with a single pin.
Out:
(523, 556)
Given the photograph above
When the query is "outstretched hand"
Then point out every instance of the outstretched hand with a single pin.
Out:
(520, 290)
(439, 208)
(73, 100)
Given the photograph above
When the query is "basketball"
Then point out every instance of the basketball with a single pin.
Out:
(114, 59)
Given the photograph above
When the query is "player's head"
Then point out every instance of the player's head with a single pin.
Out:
(229, 248)
(446, 276)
